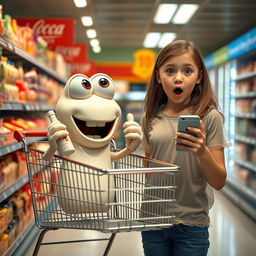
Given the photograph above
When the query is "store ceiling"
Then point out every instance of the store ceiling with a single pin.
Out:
(124, 23)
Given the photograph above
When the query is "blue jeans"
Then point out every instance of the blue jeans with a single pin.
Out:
(178, 240)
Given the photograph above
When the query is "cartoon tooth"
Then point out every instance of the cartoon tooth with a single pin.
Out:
(88, 113)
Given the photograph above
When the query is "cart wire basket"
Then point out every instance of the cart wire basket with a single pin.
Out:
(137, 194)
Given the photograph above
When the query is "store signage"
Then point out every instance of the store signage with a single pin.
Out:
(242, 45)
(54, 31)
(87, 68)
(220, 56)
(76, 53)
(236, 48)
(144, 63)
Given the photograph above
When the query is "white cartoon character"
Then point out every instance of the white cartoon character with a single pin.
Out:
(88, 115)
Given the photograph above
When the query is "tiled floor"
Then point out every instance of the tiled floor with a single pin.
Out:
(232, 234)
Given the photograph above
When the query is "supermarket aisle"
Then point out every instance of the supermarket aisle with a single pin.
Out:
(232, 234)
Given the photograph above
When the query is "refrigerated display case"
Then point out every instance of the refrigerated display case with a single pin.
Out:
(131, 102)
(232, 72)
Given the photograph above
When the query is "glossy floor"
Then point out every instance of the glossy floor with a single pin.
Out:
(232, 234)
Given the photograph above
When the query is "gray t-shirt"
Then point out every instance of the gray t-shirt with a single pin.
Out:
(194, 196)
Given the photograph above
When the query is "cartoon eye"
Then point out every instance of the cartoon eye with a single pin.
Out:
(79, 87)
(86, 84)
(103, 82)
(103, 85)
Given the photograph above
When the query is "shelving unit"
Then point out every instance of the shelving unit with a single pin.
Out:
(242, 181)
(9, 108)
(17, 106)
(233, 75)
(244, 171)
(15, 53)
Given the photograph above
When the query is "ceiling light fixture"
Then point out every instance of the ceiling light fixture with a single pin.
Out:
(164, 13)
(166, 39)
(91, 33)
(80, 3)
(96, 49)
(184, 13)
(151, 40)
(94, 42)
(87, 21)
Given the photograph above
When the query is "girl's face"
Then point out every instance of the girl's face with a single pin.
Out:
(178, 76)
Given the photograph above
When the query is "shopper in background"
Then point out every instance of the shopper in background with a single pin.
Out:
(180, 85)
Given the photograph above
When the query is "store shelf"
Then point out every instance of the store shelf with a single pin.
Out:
(245, 76)
(249, 165)
(26, 238)
(22, 106)
(6, 192)
(248, 95)
(28, 230)
(246, 115)
(14, 51)
(241, 195)
(9, 148)
(245, 139)
(242, 188)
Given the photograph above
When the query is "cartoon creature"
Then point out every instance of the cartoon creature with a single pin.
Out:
(89, 115)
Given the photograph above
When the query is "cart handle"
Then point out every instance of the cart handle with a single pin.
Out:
(19, 135)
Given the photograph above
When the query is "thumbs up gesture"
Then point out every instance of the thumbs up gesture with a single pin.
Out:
(133, 133)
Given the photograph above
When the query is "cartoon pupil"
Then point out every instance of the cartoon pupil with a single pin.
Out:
(90, 120)
(86, 84)
(104, 82)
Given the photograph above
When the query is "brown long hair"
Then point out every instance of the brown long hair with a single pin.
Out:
(203, 98)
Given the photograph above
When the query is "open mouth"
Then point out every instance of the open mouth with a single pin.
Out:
(178, 91)
(94, 129)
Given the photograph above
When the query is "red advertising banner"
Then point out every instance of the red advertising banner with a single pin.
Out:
(87, 68)
(54, 31)
(76, 53)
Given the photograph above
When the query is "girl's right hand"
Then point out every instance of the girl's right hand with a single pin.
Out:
(195, 144)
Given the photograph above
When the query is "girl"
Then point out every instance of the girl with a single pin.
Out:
(180, 85)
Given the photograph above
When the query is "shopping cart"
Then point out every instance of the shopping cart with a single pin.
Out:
(142, 197)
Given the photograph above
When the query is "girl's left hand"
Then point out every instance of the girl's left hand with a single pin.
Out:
(195, 144)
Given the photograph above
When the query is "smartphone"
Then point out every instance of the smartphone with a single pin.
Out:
(186, 121)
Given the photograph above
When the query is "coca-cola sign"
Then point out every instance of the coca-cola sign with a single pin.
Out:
(54, 31)
(87, 68)
(73, 53)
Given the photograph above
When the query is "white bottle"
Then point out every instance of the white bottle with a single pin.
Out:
(65, 146)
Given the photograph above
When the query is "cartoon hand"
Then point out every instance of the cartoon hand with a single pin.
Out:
(133, 133)
(56, 131)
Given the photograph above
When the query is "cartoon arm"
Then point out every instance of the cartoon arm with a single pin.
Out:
(133, 137)
(58, 138)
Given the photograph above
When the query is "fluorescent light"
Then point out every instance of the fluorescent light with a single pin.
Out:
(91, 33)
(94, 42)
(96, 49)
(80, 3)
(166, 39)
(164, 13)
(87, 21)
(184, 13)
(151, 40)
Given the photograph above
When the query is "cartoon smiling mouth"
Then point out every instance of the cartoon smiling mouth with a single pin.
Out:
(94, 129)
(178, 91)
